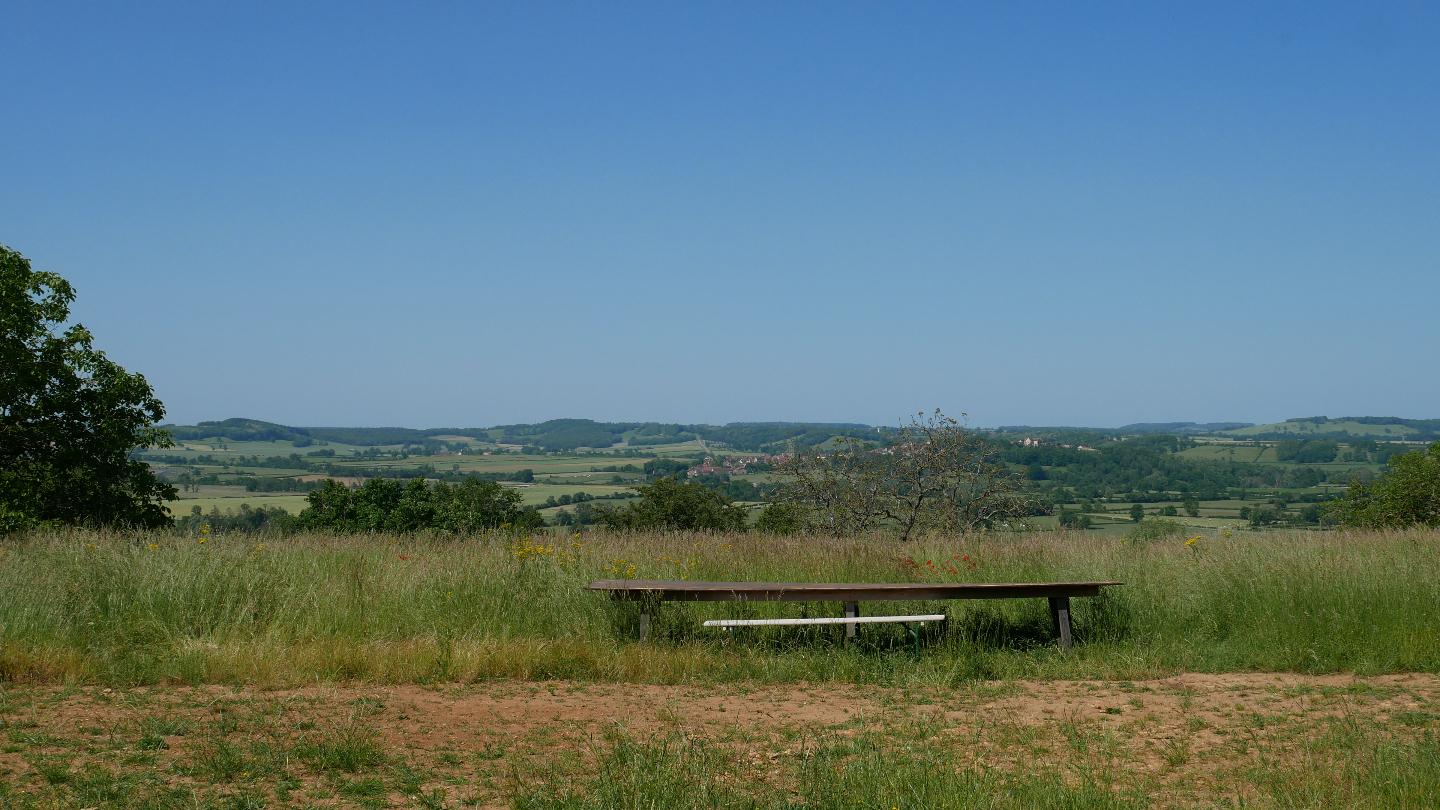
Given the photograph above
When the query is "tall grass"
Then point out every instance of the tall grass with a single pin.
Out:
(123, 608)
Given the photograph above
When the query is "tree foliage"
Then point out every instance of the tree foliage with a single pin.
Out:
(935, 475)
(69, 416)
(1407, 494)
(388, 505)
(782, 518)
(675, 505)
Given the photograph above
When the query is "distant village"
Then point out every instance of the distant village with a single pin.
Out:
(734, 465)
(1032, 442)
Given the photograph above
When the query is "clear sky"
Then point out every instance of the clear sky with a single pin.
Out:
(476, 213)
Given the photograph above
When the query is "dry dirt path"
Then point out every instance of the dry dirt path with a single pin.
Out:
(478, 744)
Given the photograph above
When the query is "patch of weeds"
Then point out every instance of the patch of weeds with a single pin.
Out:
(1417, 719)
(245, 801)
(365, 706)
(283, 787)
(349, 748)
(1077, 737)
(164, 726)
(151, 742)
(1176, 751)
(53, 770)
(40, 739)
(434, 800)
(408, 781)
(98, 787)
(226, 722)
(370, 788)
(220, 761)
(449, 758)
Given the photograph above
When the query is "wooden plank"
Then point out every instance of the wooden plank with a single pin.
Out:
(686, 591)
(1060, 616)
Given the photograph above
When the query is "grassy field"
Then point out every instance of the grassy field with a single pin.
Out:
(290, 502)
(98, 608)
(154, 671)
(535, 494)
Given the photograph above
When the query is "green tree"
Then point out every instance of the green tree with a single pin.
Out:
(1137, 512)
(1192, 507)
(387, 505)
(69, 416)
(934, 475)
(675, 505)
(1408, 494)
(781, 518)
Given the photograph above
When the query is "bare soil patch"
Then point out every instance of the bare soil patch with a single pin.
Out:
(475, 742)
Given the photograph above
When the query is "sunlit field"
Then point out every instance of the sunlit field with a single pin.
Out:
(161, 671)
(133, 609)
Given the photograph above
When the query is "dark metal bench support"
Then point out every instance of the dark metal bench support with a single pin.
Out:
(1060, 616)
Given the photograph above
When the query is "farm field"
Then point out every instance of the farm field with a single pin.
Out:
(161, 671)
(535, 494)
(290, 502)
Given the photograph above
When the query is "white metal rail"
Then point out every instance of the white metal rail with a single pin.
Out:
(926, 617)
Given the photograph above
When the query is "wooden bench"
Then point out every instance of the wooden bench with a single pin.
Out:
(650, 592)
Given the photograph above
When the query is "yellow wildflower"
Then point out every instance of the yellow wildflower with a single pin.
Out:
(153, 546)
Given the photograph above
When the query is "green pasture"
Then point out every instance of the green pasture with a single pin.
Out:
(290, 502)
(263, 449)
(222, 470)
(535, 494)
(503, 463)
(1302, 429)
(1243, 454)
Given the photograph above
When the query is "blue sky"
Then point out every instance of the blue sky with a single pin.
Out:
(468, 214)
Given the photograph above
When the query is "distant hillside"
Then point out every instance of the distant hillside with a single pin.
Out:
(555, 434)
(1345, 427)
(1181, 428)
(572, 434)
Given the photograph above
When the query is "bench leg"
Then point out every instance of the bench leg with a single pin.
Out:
(644, 622)
(1060, 616)
(852, 611)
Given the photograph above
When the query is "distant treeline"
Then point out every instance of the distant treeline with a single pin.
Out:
(1146, 469)
(556, 435)
(382, 505)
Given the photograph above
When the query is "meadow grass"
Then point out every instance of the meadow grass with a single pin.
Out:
(94, 607)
